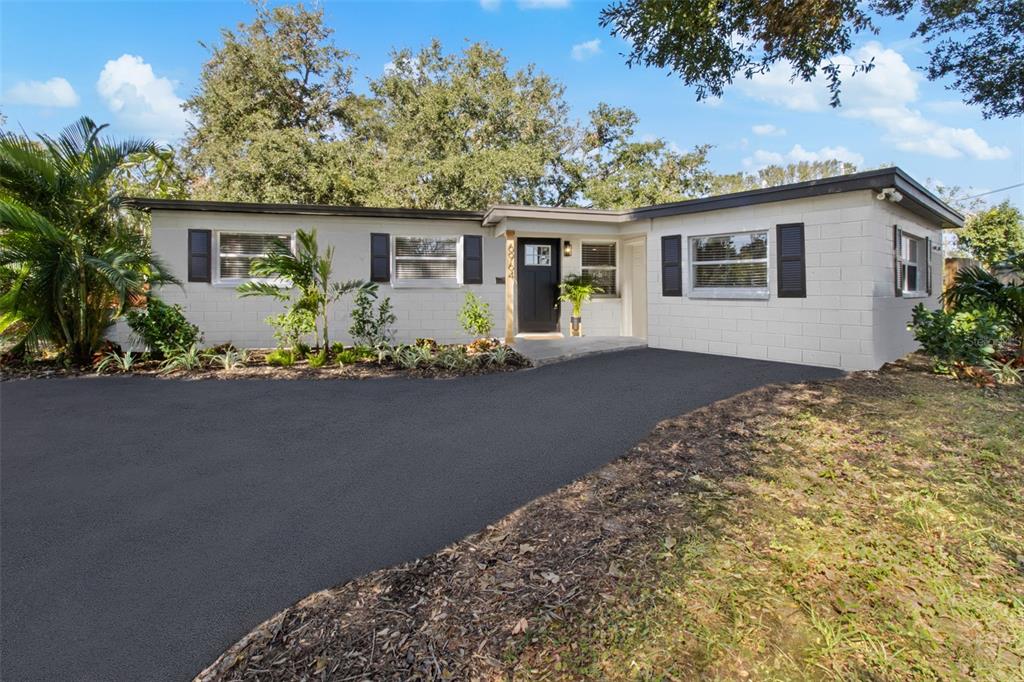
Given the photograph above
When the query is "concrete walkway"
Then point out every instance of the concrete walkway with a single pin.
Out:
(545, 350)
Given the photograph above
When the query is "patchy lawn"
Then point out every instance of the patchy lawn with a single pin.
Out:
(870, 527)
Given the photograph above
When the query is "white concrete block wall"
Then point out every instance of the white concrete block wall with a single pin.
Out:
(850, 319)
(223, 316)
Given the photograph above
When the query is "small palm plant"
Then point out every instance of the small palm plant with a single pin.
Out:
(978, 288)
(577, 290)
(305, 270)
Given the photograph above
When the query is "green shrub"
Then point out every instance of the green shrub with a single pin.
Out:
(475, 316)
(967, 337)
(290, 327)
(346, 357)
(350, 356)
(371, 323)
(281, 358)
(163, 328)
(318, 360)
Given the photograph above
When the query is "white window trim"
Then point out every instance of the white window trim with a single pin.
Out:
(427, 283)
(922, 270)
(618, 283)
(745, 293)
(231, 282)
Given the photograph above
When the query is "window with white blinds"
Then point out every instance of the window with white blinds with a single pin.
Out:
(426, 259)
(600, 264)
(730, 262)
(238, 249)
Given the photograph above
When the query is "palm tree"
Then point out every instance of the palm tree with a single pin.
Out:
(577, 290)
(70, 257)
(305, 270)
(979, 288)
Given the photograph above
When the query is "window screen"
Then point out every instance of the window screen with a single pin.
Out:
(237, 251)
(426, 258)
(599, 264)
(732, 261)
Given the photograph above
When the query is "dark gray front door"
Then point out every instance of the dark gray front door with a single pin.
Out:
(538, 274)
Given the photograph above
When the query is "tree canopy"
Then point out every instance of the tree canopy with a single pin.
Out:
(270, 100)
(978, 44)
(775, 175)
(994, 234)
(276, 120)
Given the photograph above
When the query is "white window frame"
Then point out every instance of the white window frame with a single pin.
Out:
(729, 292)
(235, 281)
(618, 283)
(438, 283)
(905, 264)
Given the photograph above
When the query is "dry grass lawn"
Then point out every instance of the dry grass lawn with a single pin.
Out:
(866, 528)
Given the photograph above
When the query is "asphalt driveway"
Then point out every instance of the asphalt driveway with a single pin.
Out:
(145, 524)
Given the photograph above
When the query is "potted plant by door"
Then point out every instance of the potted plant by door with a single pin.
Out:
(577, 290)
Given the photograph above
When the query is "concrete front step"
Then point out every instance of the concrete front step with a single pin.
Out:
(548, 349)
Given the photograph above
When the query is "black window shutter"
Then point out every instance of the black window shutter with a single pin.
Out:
(380, 257)
(199, 255)
(792, 265)
(928, 265)
(672, 266)
(897, 250)
(472, 259)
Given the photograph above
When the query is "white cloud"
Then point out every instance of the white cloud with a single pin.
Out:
(768, 130)
(140, 100)
(56, 92)
(762, 158)
(490, 5)
(543, 4)
(883, 97)
(582, 51)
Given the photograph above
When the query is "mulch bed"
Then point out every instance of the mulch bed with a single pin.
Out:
(470, 610)
(256, 368)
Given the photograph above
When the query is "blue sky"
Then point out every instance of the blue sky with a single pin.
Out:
(131, 64)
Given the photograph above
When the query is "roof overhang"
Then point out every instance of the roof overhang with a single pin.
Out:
(916, 199)
(300, 209)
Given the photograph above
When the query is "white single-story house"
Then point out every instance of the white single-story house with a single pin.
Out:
(822, 273)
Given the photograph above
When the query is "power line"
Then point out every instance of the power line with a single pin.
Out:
(1001, 189)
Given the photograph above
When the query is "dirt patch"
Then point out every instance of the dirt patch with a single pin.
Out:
(256, 367)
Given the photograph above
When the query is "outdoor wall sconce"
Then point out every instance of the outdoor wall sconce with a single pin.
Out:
(567, 248)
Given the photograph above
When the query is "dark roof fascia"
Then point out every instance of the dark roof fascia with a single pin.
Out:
(300, 209)
(915, 197)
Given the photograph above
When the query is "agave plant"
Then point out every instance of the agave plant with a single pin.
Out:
(121, 362)
(184, 360)
(73, 258)
(230, 359)
(975, 287)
